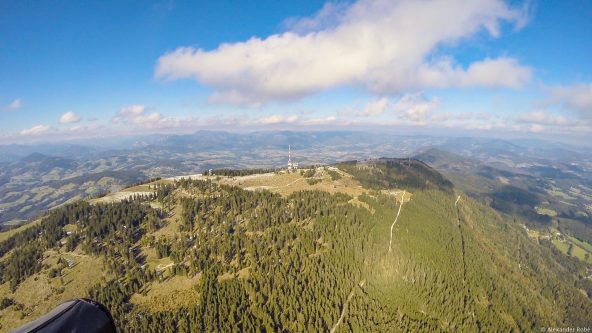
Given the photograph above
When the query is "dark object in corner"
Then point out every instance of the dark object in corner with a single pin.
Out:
(79, 315)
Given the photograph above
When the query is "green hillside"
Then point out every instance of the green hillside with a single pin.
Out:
(247, 254)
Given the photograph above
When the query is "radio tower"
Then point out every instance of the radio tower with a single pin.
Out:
(290, 165)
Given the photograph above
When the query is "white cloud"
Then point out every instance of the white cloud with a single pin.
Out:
(277, 119)
(137, 115)
(385, 46)
(544, 118)
(15, 105)
(329, 120)
(326, 18)
(376, 107)
(35, 130)
(69, 118)
(576, 97)
(415, 107)
(269, 121)
(536, 128)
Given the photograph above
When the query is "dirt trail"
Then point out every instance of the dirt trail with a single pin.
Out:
(396, 218)
(160, 269)
(343, 310)
(290, 183)
(462, 239)
(467, 291)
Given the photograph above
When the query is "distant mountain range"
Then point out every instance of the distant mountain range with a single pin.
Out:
(35, 177)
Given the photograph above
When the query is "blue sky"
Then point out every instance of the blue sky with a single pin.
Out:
(88, 69)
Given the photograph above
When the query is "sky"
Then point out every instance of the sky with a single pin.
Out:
(89, 69)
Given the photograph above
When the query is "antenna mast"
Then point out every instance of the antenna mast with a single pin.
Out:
(290, 158)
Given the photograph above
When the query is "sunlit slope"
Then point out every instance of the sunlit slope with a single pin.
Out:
(456, 264)
(485, 274)
(301, 252)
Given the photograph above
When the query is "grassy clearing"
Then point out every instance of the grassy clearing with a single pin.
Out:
(142, 189)
(195, 176)
(559, 194)
(170, 294)
(546, 211)
(584, 245)
(282, 183)
(561, 246)
(225, 276)
(154, 262)
(580, 250)
(118, 196)
(356, 202)
(244, 273)
(288, 183)
(39, 293)
(138, 188)
(172, 224)
(535, 234)
(503, 180)
(70, 228)
(580, 253)
(400, 195)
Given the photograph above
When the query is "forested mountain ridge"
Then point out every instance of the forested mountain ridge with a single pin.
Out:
(36, 177)
(295, 252)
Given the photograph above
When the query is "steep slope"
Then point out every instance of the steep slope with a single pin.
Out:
(557, 199)
(470, 270)
(199, 255)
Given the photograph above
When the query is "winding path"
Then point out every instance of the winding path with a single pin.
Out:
(396, 218)
(467, 291)
(349, 297)
(289, 184)
(462, 240)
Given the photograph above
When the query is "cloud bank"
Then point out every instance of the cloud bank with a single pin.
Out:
(137, 115)
(576, 97)
(384, 46)
(35, 130)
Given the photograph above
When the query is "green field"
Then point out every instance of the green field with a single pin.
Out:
(546, 211)
(580, 250)
(561, 245)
